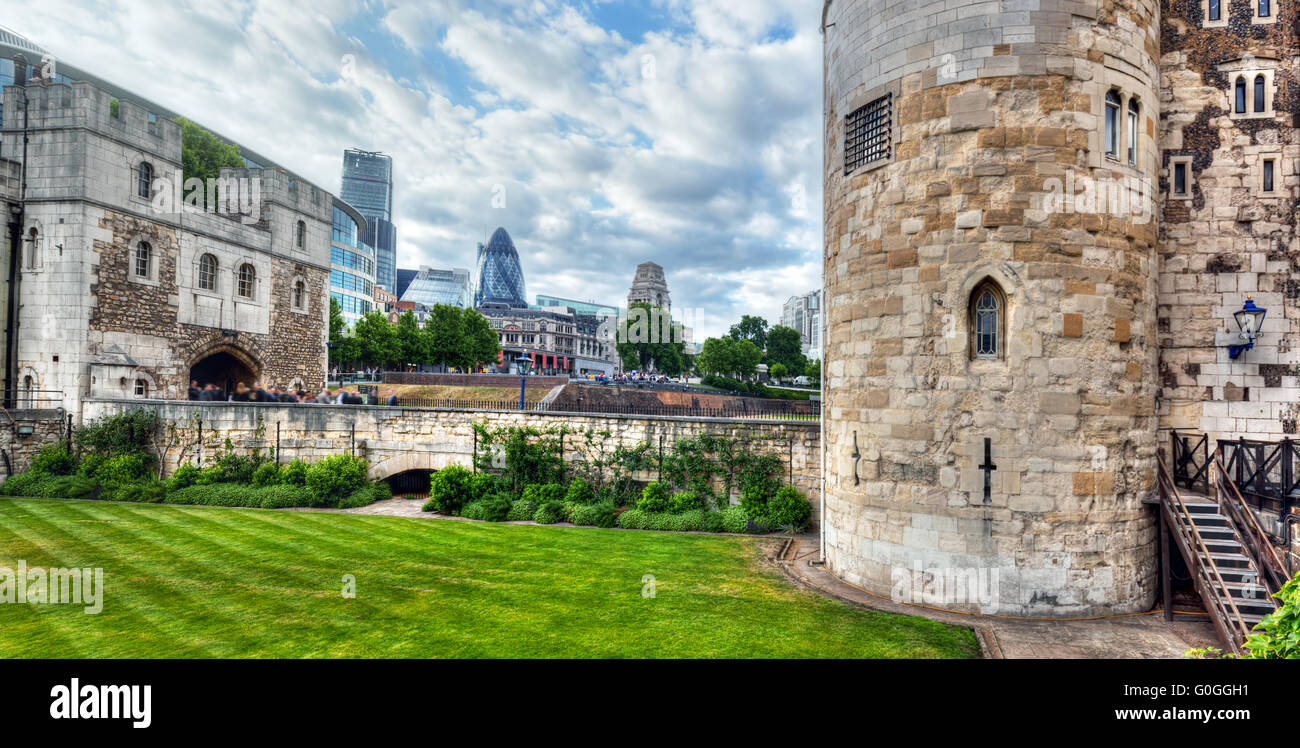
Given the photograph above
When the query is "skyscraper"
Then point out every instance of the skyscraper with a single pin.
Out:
(500, 277)
(368, 186)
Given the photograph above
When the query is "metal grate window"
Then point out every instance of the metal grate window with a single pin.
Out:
(867, 134)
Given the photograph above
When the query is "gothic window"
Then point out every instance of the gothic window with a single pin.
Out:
(299, 294)
(1260, 98)
(247, 279)
(144, 181)
(867, 134)
(1134, 112)
(987, 321)
(1112, 124)
(143, 260)
(1240, 95)
(208, 273)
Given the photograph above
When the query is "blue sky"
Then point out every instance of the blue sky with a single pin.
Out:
(684, 132)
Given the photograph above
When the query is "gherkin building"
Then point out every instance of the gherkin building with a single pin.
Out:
(500, 277)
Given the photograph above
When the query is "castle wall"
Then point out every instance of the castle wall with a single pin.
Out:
(1227, 238)
(994, 108)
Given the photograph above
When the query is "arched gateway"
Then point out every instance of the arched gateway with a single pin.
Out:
(225, 366)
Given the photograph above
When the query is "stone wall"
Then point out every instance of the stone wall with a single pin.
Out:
(1227, 239)
(396, 440)
(48, 427)
(994, 108)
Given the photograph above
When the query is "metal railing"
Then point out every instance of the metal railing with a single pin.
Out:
(1265, 472)
(776, 410)
(33, 399)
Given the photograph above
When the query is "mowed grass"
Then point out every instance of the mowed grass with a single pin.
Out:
(213, 582)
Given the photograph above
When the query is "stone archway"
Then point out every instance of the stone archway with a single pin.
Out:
(415, 461)
(224, 365)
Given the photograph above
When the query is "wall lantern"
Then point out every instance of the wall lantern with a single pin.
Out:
(26, 430)
(1250, 319)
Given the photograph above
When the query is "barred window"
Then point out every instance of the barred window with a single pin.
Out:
(867, 134)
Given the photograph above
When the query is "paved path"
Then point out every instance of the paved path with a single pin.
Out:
(1130, 637)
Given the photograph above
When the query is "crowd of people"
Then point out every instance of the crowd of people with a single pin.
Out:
(276, 394)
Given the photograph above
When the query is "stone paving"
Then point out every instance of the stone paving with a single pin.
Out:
(1146, 636)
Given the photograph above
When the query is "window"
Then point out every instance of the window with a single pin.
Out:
(247, 279)
(1268, 169)
(1180, 179)
(1134, 112)
(143, 260)
(1260, 99)
(144, 181)
(141, 388)
(301, 238)
(1216, 10)
(33, 248)
(1240, 95)
(867, 134)
(1265, 10)
(208, 273)
(299, 294)
(987, 318)
(1112, 124)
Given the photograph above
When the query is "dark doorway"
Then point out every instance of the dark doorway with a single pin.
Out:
(223, 370)
(411, 483)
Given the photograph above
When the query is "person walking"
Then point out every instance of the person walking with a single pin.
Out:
(392, 399)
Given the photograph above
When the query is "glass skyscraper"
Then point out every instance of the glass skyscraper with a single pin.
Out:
(500, 277)
(368, 186)
(432, 287)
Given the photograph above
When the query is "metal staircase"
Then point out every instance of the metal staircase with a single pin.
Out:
(1234, 566)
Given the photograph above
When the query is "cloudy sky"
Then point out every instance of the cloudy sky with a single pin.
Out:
(609, 132)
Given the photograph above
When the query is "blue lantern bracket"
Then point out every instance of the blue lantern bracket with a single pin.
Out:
(1250, 320)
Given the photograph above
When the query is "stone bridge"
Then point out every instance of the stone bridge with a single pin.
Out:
(401, 440)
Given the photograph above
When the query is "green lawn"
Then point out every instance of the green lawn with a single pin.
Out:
(213, 582)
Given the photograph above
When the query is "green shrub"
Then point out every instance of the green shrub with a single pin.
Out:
(789, 509)
(754, 500)
(496, 508)
(367, 494)
(142, 492)
(482, 485)
(521, 511)
(595, 515)
(1277, 637)
(90, 465)
(545, 493)
(632, 519)
(686, 501)
(449, 490)
(334, 478)
(639, 519)
(549, 513)
(185, 476)
(53, 459)
(472, 510)
(217, 494)
(267, 474)
(233, 468)
(713, 522)
(23, 484)
(120, 469)
(735, 520)
(654, 498)
(294, 473)
(64, 487)
(285, 496)
(580, 492)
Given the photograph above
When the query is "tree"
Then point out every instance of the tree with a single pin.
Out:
(751, 328)
(745, 358)
(813, 371)
(203, 154)
(716, 356)
(480, 342)
(778, 371)
(343, 347)
(785, 346)
(649, 341)
(444, 335)
(411, 342)
(377, 338)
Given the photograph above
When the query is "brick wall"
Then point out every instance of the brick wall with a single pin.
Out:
(471, 380)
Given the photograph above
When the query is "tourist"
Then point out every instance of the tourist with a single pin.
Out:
(392, 399)
(372, 398)
(242, 394)
(194, 389)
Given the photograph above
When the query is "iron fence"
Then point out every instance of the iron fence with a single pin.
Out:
(773, 411)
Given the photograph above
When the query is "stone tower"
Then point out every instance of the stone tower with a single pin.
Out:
(650, 287)
(990, 263)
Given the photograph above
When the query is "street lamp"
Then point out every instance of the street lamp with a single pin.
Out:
(524, 363)
(1250, 319)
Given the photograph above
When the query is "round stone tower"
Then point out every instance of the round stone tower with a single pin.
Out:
(991, 282)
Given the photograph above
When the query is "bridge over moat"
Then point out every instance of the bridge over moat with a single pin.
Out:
(398, 440)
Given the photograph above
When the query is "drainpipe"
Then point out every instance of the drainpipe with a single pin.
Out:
(16, 249)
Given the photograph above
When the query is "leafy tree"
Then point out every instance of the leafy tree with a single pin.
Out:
(444, 331)
(813, 371)
(343, 347)
(746, 358)
(751, 328)
(480, 344)
(778, 371)
(785, 346)
(412, 343)
(377, 339)
(648, 340)
(203, 154)
(728, 357)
